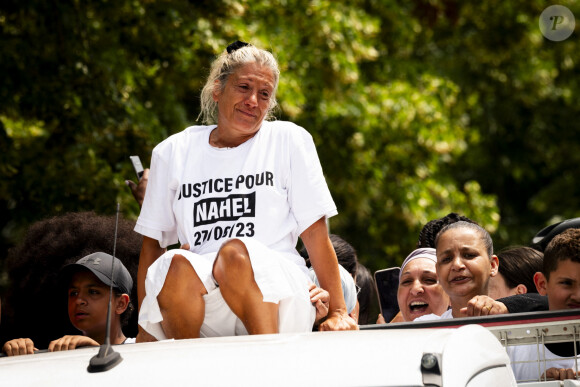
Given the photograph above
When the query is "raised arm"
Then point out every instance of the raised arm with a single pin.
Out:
(138, 189)
(325, 264)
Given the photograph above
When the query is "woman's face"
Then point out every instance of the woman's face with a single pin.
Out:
(419, 290)
(463, 265)
(245, 99)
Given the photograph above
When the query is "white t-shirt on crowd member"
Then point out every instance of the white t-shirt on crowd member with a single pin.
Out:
(432, 316)
(527, 367)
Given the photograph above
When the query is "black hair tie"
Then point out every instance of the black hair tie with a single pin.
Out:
(236, 45)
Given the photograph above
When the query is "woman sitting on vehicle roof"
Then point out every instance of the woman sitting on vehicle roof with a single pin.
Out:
(239, 193)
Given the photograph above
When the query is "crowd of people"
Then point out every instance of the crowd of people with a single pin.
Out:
(235, 195)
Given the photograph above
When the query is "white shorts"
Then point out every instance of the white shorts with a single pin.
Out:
(280, 281)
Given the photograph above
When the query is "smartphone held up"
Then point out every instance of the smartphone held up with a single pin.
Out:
(137, 166)
(387, 284)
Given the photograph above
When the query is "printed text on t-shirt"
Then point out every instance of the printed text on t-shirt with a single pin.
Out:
(237, 230)
(227, 184)
(232, 207)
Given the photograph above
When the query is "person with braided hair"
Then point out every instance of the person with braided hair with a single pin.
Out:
(429, 232)
(422, 276)
(516, 303)
(465, 264)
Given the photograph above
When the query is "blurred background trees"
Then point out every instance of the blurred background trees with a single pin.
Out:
(418, 108)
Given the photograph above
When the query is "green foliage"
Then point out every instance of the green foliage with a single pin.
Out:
(418, 108)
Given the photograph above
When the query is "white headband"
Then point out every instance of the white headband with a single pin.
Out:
(426, 252)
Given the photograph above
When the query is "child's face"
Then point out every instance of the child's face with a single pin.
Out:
(563, 287)
(88, 299)
(463, 265)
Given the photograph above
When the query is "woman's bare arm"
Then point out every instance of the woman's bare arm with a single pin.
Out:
(325, 264)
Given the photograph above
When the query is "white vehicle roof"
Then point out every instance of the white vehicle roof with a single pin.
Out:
(467, 356)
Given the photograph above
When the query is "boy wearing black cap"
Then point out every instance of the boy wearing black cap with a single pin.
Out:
(88, 283)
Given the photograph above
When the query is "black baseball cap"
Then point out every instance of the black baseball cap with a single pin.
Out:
(545, 235)
(100, 264)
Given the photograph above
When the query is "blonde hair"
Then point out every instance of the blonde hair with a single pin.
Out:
(227, 64)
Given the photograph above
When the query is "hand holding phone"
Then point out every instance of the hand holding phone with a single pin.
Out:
(138, 190)
(137, 166)
(387, 285)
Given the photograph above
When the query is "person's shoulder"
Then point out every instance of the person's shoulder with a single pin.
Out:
(288, 131)
(190, 131)
(183, 138)
(284, 127)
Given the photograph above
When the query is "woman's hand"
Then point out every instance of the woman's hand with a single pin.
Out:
(17, 347)
(66, 343)
(325, 264)
(483, 306)
(338, 321)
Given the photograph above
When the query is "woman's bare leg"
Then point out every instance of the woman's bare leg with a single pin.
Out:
(235, 276)
(181, 300)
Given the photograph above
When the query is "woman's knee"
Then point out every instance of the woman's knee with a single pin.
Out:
(181, 278)
(179, 267)
(233, 257)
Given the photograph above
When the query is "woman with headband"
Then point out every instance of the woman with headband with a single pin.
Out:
(419, 290)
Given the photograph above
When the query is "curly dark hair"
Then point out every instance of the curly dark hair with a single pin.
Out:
(34, 304)
(431, 229)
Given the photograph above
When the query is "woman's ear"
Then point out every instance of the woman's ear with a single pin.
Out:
(541, 283)
(122, 303)
(494, 261)
(216, 90)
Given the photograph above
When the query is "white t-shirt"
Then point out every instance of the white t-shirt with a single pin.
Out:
(432, 316)
(270, 188)
(520, 355)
